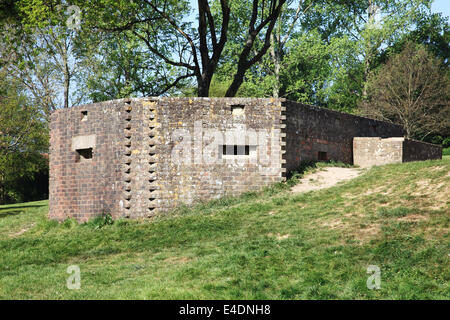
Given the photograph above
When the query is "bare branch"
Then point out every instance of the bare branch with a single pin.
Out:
(174, 83)
(175, 25)
(156, 52)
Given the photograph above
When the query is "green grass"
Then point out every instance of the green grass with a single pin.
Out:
(267, 245)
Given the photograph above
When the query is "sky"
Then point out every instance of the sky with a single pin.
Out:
(437, 6)
(441, 6)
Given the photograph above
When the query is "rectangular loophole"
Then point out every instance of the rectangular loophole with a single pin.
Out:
(237, 110)
(83, 154)
(84, 115)
(322, 156)
(237, 151)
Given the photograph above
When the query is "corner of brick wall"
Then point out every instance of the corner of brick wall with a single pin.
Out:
(414, 150)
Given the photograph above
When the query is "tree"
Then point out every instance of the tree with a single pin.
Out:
(306, 69)
(23, 135)
(162, 28)
(39, 51)
(246, 60)
(322, 51)
(282, 33)
(272, 75)
(358, 32)
(412, 90)
(116, 65)
(432, 31)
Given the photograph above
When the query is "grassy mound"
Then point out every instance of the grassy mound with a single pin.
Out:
(267, 245)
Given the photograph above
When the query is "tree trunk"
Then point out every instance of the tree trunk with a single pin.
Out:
(66, 78)
(368, 50)
(275, 54)
(204, 82)
(244, 64)
(237, 81)
(366, 75)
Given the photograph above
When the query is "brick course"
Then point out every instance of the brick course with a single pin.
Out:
(132, 172)
(310, 130)
(135, 170)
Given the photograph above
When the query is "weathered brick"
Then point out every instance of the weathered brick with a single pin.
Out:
(133, 172)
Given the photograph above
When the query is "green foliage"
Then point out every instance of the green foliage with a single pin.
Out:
(393, 212)
(31, 186)
(23, 140)
(326, 49)
(100, 221)
(446, 151)
(329, 51)
(438, 139)
(432, 31)
(411, 90)
(218, 88)
(306, 69)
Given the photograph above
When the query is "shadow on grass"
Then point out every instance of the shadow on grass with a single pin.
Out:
(15, 209)
(10, 213)
(21, 206)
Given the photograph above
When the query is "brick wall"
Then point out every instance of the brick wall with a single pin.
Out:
(133, 171)
(191, 122)
(376, 151)
(136, 157)
(314, 133)
(79, 187)
(414, 150)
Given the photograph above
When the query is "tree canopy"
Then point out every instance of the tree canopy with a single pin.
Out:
(412, 90)
(384, 58)
(23, 136)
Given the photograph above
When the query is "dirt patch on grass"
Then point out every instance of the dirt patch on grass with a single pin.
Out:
(325, 178)
(21, 231)
(413, 218)
(177, 260)
(278, 236)
(368, 233)
(334, 224)
(378, 190)
(353, 230)
(438, 194)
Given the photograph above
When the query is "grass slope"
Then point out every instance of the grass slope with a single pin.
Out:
(268, 245)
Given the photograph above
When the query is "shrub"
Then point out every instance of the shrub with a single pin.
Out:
(101, 220)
